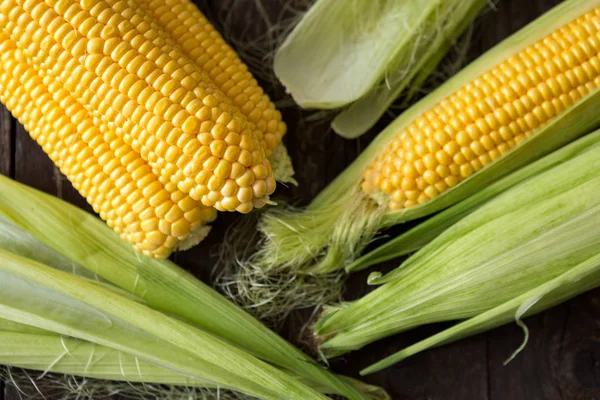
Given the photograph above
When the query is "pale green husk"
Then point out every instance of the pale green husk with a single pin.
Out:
(52, 352)
(30, 385)
(283, 169)
(526, 236)
(341, 51)
(90, 244)
(35, 294)
(333, 230)
(424, 46)
(579, 279)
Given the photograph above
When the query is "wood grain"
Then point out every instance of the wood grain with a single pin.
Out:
(6, 163)
(6, 142)
(562, 358)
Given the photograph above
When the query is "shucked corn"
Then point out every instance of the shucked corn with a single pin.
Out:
(114, 179)
(146, 109)
(485, 119)
(201, 42)
(136, 80)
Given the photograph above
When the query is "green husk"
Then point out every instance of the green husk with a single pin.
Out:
(524, 237)
(35, 294)
(51, 352)
(158, 283)
(341, 52)
(425, 232)
(336, 226)
(579, 279)
(434, 38)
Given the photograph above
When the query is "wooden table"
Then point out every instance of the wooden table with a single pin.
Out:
(562, 359)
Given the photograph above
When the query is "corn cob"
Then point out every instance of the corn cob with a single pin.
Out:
(528, 96)
(482, 121)
(73, 91)
(202, 44)
(114, 179)
(168, 111)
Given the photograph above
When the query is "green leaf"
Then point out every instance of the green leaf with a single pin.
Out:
(432, 40)
(35, 294)
(524, 237)
(573, 282)
(88, 242)
(341, 49)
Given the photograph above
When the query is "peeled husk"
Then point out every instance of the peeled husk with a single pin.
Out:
(523, 238)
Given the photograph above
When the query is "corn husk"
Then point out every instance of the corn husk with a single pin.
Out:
(577, 280)
(341, 52)
(521, 239)
(35, 294)
(420, 57)
(56, 225)
(333, 230)
(49, 352)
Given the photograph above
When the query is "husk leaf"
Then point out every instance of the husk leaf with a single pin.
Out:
(159, 283)
(434, 37)
(54, 353)
(340, 50)
(38, 295)
(573, 282)
(483, 260)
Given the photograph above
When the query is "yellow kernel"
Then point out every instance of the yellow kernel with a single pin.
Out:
(440, 186)
(259, 188)
(245, 158)
(431, 192)
(180, 228)
(423, 198)
(451, 148)
(485, 159)
(487, 142)
(408, 184)
(191, 125)
(409, 171)
(218, 148)
(431, 177)
(211, 163)
(463, 139)
(215, 183)
(466, 170)
(476, 164)
(245, 194)
(398, 196)
(173, 214)
(442, 171)
(477, 148)
(430, 161)
(223, 169)
(229, 188)
(246, 179)
(451, 181)
(412, 194)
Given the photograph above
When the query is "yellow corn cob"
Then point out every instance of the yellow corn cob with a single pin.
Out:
(201, 42)
(486, 118)
(138, 83)
(119, 185)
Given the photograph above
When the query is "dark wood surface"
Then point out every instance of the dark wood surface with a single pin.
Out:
(562, 359)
